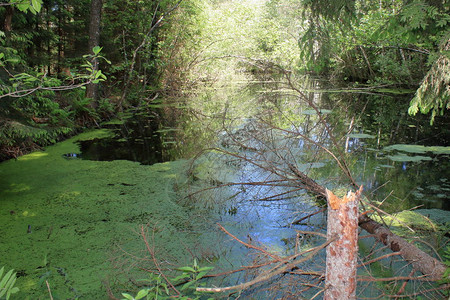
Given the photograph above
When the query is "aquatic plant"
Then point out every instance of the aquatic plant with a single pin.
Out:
(7, 283)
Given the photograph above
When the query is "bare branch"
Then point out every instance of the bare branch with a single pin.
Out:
(281, 268)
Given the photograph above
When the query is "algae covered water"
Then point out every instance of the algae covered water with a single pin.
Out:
(68, 221)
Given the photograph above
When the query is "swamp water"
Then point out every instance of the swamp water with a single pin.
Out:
(74, 222)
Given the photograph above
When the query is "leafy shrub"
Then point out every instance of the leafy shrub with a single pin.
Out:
(158, 288)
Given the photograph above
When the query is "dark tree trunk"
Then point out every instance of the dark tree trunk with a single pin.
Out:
(94, 40)
(60, 41)
(8, 18)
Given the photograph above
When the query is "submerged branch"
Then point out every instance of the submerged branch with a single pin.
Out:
(284, 266)
(275, 257)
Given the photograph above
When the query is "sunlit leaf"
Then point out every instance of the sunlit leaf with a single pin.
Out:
(142, 293)
(127, 296)
(97, 50)
(418, 149)
(404, 158)
(23, 6)
(36, 5)
(360, 136)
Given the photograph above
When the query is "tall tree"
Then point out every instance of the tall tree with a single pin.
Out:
(94, 40)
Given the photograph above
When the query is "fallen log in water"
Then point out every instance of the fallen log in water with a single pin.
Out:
(420, 260)
(429, 266)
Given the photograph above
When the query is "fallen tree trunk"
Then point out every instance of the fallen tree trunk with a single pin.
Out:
(426, 264)
(429, 266)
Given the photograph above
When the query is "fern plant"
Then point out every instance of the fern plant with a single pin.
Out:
(7, 282)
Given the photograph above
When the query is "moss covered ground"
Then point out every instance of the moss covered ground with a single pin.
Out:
(74, 223)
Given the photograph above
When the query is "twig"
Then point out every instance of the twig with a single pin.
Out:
(368, 278)
(277, 258)
(155, 261)
(402, 288)
(444, 287)
(244, 268)
(296, 222)
(318, 293)
(282, 267)
(378, 258)
(49, 290)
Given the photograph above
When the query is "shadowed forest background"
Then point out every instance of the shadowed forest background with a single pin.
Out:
(177, 115)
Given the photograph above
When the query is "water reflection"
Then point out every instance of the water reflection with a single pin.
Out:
(136, 139)
(254, 136)
(266, 116)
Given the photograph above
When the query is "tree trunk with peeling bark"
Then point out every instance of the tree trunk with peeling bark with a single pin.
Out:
(423, 262)
(342, 254)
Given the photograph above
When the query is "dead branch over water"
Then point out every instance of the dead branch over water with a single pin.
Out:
(286, 174)
(283, 266)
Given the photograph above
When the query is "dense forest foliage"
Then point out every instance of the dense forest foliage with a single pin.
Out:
(68, 65)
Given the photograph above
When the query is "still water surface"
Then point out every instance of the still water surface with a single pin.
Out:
(90, 204)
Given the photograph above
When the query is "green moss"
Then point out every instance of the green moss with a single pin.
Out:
(438, 216)
(420, 222)
(79, 212)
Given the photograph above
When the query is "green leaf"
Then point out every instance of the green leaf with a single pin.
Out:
(142, 293)
(180, 277)
(7, 283)
(98, 74)
(360, 136)
(33, 11)
(5, 280)
(187, 285)
(97, 50)
(23, 7)
(200, 275)
(187, 269)
(127, 296)
(205, 269)
(418, 149)
(36, 5)
(404, 158)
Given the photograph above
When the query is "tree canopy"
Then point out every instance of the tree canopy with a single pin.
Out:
(157, 47)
